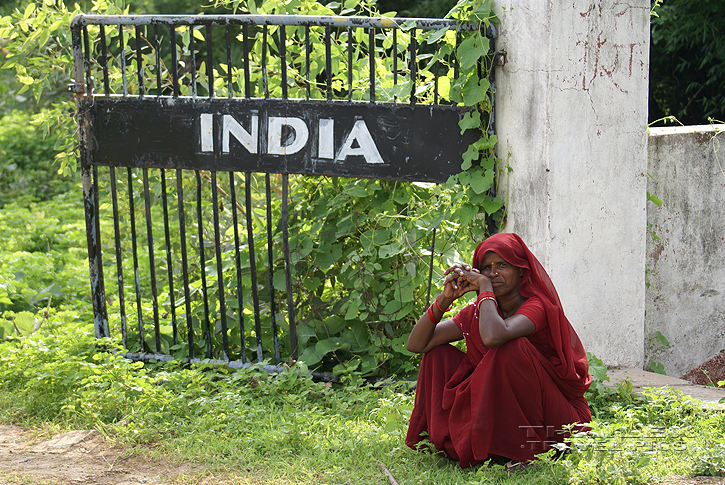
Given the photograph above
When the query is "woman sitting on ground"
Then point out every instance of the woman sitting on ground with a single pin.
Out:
(523, 377)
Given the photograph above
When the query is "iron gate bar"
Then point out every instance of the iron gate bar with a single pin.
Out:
(96, 114)
(184, 263)
(83, 20)
(152, 261)
(169, 261)
(238, 262)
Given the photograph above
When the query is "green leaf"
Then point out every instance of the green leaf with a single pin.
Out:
(492, 206)
(437, 35)
(486, 142)
(6, 329)
(310, 356)
(411, 269)
(479, 182)
(356, 191)
(352, 310)
(25, 323)
(388, 250)
(657, 367)
(29, 10)
(662, 339)
(470, 120)
(399, 345)
(653, 198)
(469, 156)
(468, 212)
(52, 290)
(471, 50)
(475, 90)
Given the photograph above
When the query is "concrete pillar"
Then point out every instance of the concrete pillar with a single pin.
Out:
(571, 120)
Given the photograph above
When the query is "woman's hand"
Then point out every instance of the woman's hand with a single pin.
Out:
(461, 278)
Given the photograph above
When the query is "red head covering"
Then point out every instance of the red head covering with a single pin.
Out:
(572, 369)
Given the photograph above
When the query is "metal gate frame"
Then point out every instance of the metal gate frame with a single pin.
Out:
(92, 154)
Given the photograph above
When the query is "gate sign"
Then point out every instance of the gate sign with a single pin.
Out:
(381, 141)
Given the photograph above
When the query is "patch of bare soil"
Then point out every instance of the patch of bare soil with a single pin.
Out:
(77, 457)
(715, 369)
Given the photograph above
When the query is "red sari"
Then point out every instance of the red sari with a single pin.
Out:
(512, 401)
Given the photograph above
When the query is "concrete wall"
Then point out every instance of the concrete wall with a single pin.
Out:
(571, 117)
(686, 265)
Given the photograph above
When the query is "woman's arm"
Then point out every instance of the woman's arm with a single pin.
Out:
(427, 334)
(496, 331)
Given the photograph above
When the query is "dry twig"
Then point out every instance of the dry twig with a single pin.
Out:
(387, 473)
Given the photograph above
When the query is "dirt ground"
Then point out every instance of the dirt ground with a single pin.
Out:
(79, 457)
(83, 457)
(714, 371)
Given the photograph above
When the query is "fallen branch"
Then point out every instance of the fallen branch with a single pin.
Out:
(387, 473)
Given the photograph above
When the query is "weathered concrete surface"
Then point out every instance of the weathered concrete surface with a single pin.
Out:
(571, 116)
(686, 263)
(641, 380)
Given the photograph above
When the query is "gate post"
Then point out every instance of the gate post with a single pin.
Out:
(90, 193)
(572, 122)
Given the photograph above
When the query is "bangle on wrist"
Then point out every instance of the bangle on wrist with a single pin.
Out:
(432, 316)
(485, 295)
(439, 307)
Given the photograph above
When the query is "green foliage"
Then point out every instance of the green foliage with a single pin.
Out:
(687, 79)
(360, 248)
(43, 265)
(26, 162)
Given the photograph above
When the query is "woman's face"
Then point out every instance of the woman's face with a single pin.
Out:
(505, 277)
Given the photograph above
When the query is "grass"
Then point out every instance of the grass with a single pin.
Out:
(245, 426)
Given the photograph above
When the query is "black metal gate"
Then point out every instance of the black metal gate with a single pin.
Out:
(175, 112)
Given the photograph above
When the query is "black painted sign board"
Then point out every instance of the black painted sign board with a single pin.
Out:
(366, 140)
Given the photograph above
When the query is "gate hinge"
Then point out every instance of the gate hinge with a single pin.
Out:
(77, 88)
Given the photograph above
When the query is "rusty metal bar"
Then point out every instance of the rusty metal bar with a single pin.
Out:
(228, 38)
(245, 46)
(134, 249)
(119, 257)
(174, 62)
(253, 263)
(169, 261)
(87, 62)
(157, 58)
(265, 82)
(139, 63)
(122, 55)
(413, 66)
(219, 270)
(209, 62)
(202, 266)
(192, 50)
(184, 262)
(104, 60)
(152, 262)
(283, 58)
(307, 60)
(349, 64)
(270, 267)
(291, 310)
(328, 61)
(371, 55)
(238, 264)
(299, 20)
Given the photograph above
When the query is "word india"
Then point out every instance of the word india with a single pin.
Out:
(358, 141)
